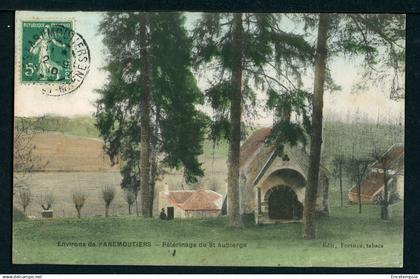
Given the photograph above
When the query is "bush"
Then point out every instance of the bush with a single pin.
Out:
(79, 199)
(25, 198)
(46, 200)
(108, 194)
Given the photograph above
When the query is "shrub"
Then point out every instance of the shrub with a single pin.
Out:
(79, 199)
(130, 197)
(25, 198)
(108, 194)
(46, 200)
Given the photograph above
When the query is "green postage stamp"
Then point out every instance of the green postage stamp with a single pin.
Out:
(53, 58)
(46, 55)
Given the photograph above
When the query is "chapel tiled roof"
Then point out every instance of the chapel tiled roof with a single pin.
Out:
(252, 143)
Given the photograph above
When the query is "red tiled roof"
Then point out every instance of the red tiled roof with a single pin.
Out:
(374, 181)
(180, 196)
(391, 156)
(370, 185)
(254, 141)
(200, 200)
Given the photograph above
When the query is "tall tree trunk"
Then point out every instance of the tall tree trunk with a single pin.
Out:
(385, 207)
(153, 158)
(316, 133)
(341, 181)
(137, 205)
(235, 120)
(145, 119)
(359, 196)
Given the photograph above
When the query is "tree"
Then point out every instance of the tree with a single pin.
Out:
(25, 161)
(338, 165)
(358, 168)
(130, 197)
(151, 95)
(108, 195)
(144, 41)
(79, 199)
(25, 198)
(390, 168)
(378, 38)
(242, 52)
(316, 132)
(46, 200)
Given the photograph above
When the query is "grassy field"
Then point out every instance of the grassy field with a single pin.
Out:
(346, 239)
(81, 126)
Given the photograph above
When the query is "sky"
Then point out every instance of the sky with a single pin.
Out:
(374, 103)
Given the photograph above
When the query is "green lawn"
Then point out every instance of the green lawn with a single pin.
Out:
(35, 241)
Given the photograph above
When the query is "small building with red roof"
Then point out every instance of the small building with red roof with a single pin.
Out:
(191, 203)
(372, 186)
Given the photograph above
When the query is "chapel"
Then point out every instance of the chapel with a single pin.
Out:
(273, 187)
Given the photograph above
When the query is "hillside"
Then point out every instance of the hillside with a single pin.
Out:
(339, 138)
(81, 126)
(60, 152)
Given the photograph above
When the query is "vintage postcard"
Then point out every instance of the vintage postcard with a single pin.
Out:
(209, 139)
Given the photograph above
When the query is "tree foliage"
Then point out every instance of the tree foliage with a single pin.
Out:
(273, 62)
(178, 127)
(241, 54)
(379, 40)
(285, 130)
(350, 35)
(25, 161)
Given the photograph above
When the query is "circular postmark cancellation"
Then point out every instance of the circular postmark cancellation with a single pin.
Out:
(55, 58)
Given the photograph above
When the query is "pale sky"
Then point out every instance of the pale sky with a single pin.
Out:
(30, 102)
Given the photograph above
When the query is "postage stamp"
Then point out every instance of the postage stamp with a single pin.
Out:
(46, 53)
(53, 57)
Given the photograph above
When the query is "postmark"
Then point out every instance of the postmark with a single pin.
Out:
(55, 58)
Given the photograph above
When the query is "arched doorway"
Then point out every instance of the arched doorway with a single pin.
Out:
(283, 203)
